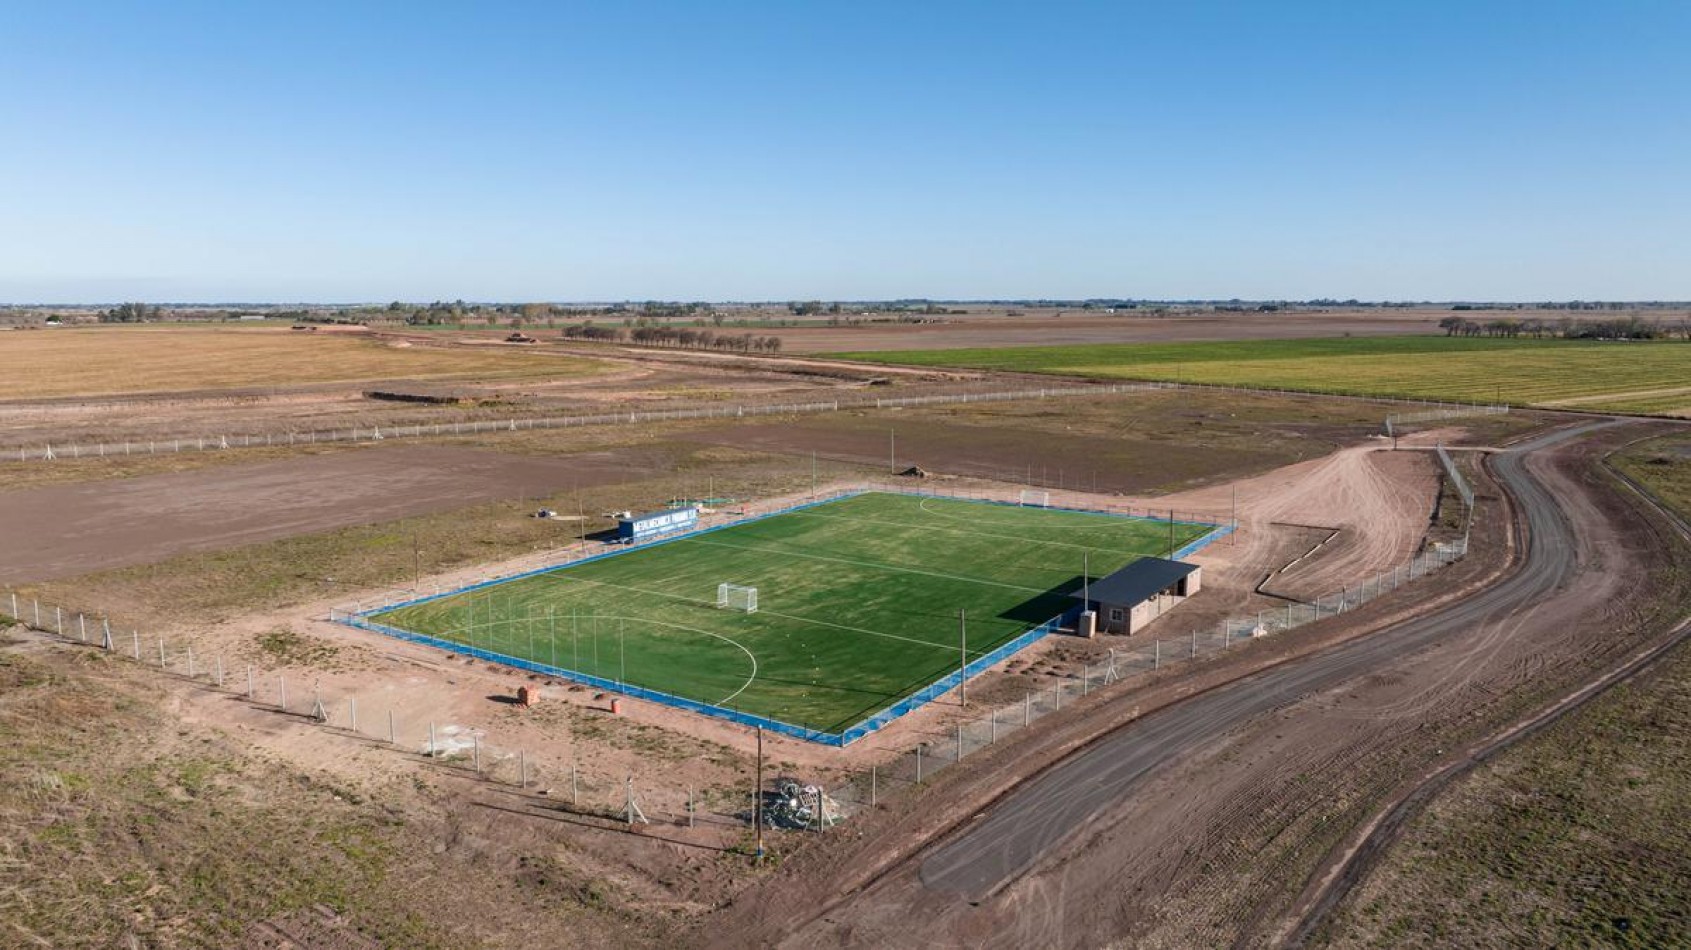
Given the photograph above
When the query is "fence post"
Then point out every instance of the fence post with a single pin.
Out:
(282, 681)
(1156, 654)
(393, 734)
(251, 690)
(161, 653)
(431, 740)
(918, 765)
(352, 713)
(874, 781)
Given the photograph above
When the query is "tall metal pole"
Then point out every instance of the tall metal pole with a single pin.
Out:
(892, 450)
(963, 657)
(757, 796)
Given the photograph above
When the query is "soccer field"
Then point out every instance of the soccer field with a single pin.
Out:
(858, 602)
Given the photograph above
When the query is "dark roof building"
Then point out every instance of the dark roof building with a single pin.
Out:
(1124, 600)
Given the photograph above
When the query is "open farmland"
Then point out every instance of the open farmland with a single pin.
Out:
(858, 602)
(1607, 376)
(101, 361)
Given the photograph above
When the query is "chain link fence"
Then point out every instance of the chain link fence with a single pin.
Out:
(641, 800)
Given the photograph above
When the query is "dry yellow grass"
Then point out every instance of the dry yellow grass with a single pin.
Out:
(123, 360)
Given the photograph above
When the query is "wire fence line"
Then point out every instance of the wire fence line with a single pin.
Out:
(636, 798)
(377, 433)
(361, 616)
(640, 799)
(1398, 420)
(938, 750)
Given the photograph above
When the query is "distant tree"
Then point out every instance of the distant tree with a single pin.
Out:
(131, 313)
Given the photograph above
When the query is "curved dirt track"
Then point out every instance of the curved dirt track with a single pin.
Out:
(1030, 823)
(1209, 794)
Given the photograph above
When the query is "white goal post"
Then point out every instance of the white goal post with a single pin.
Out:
(1036, 499)
(736, 597)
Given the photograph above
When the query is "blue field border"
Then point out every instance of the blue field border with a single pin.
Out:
(361, 620)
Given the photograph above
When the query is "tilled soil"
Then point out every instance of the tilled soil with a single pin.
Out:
(65, 530)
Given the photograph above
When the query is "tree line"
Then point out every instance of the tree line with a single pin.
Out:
(1569, 328)
(674, 337)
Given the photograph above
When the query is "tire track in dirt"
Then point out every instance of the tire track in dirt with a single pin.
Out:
(960, 894)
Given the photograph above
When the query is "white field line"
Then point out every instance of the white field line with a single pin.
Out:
(510, 622)
(979, 534)
(773, 613)
(868, 564)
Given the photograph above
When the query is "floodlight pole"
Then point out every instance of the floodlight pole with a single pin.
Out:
(963, 657)
(1171, 534)
(757, 796)
(1086, 580)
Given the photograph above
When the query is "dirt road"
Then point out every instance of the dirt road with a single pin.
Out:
(1190, 826)
(1043, 814)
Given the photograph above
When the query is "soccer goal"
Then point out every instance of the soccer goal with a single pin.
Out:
(1035, 499)
(736, 597)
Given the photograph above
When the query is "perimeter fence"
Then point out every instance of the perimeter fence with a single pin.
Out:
(378, 433)
(647, 798)
(360, 615)
(1398, 420)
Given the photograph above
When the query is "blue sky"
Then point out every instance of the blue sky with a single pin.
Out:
(559, 151)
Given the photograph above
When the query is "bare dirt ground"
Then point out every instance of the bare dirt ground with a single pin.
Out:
(1208, 847)
(71, 529)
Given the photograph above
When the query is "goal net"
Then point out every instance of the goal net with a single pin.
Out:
(1036, 499)
(736, 597)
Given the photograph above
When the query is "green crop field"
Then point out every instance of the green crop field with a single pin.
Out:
(858, 602)
(1609, 376)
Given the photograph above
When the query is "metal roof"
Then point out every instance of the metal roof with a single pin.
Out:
(1138, 581)
(653, 514)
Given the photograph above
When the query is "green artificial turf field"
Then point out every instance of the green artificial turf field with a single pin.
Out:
(858, 602)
